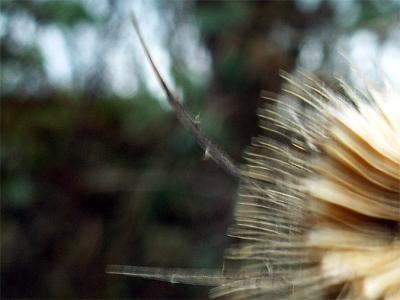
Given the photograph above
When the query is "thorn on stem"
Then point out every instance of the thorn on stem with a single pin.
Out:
(197, 119)
(207, 154)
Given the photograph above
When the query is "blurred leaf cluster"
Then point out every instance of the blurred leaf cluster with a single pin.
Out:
(64, 13)
(22, 62)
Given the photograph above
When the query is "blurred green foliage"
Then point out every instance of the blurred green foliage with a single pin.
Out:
(64, 13)
(374, 14)
(223, 17)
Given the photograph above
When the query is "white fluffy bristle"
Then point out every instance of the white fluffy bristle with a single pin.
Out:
(319, 217)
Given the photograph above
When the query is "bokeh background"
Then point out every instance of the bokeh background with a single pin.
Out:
(95, 168)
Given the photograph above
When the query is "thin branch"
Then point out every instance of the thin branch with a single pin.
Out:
(211, 150)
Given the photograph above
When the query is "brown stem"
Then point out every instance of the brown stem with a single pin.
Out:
(211, 150)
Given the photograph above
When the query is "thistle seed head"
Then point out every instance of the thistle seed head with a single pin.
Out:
(318, 217)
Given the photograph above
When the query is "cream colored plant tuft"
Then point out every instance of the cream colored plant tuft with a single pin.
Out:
(318, 214)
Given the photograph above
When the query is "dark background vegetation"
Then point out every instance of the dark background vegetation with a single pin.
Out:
(91, 176)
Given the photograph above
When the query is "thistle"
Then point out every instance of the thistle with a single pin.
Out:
(318, 214)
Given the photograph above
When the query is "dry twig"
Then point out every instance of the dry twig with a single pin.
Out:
(211, 150)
